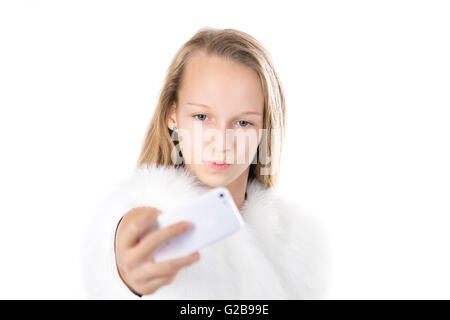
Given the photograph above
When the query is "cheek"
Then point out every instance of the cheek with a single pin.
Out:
(247, 142)
(192, 145)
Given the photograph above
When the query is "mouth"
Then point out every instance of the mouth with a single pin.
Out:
(217, 165)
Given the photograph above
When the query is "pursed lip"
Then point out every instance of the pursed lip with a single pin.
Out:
(217, 162)
(218, 166)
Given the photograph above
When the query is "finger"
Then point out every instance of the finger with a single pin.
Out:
(134, 224)
(152, 286)
(150, 270)
(152, 240)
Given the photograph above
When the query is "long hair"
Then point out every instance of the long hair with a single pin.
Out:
(239, 47)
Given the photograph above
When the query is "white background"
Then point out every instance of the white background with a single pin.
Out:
(367, 85)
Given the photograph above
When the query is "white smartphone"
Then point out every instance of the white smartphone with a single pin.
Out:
(213, 216)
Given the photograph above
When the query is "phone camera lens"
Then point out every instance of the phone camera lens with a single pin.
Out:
(221, 195)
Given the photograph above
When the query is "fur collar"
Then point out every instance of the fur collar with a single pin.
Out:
(279, 254)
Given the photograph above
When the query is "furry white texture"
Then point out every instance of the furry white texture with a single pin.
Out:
(280, 253)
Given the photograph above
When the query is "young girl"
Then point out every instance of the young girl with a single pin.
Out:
(219, 121)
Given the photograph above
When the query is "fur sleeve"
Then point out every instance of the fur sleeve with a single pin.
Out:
(154, 186)
(101, 278)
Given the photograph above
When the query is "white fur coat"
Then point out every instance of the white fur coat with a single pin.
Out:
(280, 253)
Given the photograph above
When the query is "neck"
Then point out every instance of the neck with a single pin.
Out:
(238, 189)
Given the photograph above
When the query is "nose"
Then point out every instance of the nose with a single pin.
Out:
(223, 142)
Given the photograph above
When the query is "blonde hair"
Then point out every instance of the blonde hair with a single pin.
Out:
(239, 47)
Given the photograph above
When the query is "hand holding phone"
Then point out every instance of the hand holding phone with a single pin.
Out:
(213, 216)
(132, 245)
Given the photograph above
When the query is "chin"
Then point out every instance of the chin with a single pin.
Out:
(214, 179)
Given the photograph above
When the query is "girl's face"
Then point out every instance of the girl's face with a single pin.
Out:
(219, 118)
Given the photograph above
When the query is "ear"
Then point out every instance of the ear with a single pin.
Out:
(172, 117)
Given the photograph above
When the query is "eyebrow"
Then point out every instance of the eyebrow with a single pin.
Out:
(208, 107)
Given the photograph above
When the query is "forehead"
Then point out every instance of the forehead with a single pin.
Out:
(221, 83)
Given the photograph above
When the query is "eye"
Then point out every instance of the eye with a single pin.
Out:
(246, 123)
(195, 115)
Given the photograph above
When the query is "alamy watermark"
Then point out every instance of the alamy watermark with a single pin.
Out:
(201, 143)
